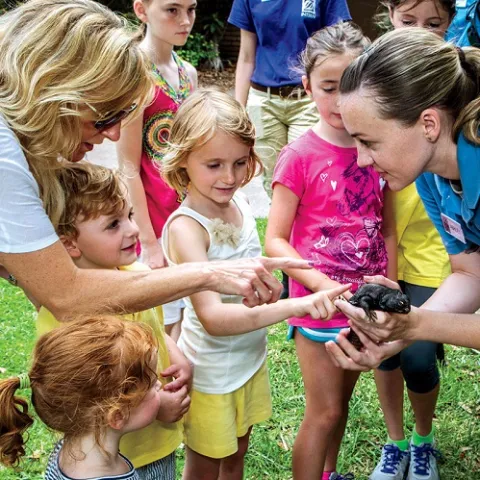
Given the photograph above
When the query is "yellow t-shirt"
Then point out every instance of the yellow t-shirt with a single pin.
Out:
(158, 439)
(422, 258)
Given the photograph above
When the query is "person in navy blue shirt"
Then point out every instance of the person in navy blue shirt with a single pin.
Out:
(412, 103)
(273, 33)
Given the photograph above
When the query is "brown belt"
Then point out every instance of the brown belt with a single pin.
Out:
(293, 91)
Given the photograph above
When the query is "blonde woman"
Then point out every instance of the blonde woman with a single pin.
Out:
(419, 120)
(70, 73)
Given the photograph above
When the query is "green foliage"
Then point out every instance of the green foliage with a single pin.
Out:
(123, 6)
(214, 27)
(198, 50)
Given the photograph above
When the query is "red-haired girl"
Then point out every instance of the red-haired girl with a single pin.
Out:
(93, 380)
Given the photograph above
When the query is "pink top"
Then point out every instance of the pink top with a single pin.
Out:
(157, 120)
(338, 221)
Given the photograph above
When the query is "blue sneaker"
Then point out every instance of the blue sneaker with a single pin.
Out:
(337, 476)
(423, 465)
(393, 465)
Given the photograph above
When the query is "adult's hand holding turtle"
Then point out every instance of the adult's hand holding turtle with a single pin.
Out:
(349, 354)
(396, 323)
(345, 355)
(372, 297)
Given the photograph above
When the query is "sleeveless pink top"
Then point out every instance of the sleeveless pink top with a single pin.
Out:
(157, 120)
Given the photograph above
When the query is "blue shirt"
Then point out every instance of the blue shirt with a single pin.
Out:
(54, 472)
(282, 28)
(457, 32)
(440, 198)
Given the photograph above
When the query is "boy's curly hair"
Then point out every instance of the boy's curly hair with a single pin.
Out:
(90, 191)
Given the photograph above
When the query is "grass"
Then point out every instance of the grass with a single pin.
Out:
(457, 419)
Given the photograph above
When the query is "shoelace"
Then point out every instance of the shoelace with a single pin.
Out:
(337, 476)
(421, 458)
(391, 458)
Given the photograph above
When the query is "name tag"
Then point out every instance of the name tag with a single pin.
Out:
(453, 228)
(461, 3)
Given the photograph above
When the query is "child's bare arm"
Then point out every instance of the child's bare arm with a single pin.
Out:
(192, 73)
(223, 319)
(129, 150)
(280, 221)
(390, 233)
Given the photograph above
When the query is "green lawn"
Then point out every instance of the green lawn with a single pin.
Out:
(457, 422)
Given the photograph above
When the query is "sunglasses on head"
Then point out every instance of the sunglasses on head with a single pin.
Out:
(101, 125)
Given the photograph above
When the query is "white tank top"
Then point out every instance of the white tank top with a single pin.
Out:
(221, 364)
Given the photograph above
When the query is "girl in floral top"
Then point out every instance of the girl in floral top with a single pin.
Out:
(143, 140)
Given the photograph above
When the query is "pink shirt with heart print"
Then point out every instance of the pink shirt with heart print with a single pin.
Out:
(339, 215)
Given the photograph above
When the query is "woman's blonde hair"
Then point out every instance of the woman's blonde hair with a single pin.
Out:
(82, 372)
(204, 113)
(57, 57)
(339, 39)
(411, 69)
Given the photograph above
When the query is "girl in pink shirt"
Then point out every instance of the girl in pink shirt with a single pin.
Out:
(340, 217)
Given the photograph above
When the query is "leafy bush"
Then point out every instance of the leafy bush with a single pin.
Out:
(198, 50)
(123, 6)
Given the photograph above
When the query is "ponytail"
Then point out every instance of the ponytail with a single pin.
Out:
(468, 121)
(14, 421)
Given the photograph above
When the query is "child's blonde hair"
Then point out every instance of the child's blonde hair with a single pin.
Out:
(56, 58)
(339, 39)
(204, 113)
(82, 373)
(90, 191)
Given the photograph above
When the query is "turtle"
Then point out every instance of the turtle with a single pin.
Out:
(371, 297)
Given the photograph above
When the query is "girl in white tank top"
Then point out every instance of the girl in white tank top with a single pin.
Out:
(211, 156)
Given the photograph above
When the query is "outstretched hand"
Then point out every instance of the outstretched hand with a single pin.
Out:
(251, 278)
(320, 305)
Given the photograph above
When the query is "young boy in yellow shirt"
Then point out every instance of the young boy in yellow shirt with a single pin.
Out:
(98, 231)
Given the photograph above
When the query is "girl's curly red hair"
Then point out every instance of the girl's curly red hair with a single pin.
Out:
(81, 373)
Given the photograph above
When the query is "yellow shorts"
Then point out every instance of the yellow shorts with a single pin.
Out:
(215, 422)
